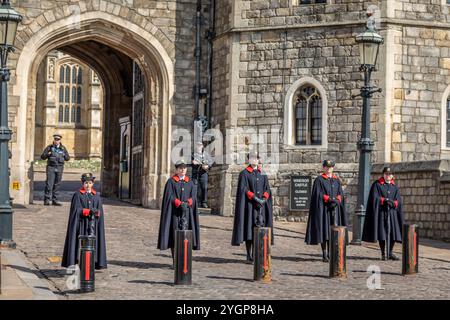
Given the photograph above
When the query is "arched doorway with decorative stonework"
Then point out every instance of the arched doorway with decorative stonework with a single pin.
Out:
(136, 77)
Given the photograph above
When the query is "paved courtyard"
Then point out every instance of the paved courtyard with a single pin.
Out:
(137, 270)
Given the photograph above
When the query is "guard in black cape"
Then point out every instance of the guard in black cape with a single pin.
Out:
(327, 208)
(179, 209)
(253, 205)
(384, 202)
(86, 206)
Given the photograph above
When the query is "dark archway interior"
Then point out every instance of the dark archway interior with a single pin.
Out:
(115, 71)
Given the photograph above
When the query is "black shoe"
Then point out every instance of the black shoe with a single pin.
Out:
(46, 203)
(204, 205)
(55, 203)
(325, 258)
(393, 257)
(249, 260)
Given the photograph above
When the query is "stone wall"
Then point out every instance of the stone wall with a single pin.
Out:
(425, 189)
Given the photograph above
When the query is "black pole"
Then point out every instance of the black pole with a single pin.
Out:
(262, 268)
(338, 252)
(198, 49)
(410, 249)
(183, 257)
(365, 146)
(210, 37)
(87, 263)
(6, 212)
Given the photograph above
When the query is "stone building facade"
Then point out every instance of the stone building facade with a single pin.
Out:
(69, 102)
(286, 66)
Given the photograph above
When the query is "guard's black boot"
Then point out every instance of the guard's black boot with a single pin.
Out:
(248, 246)
(325, 256)
(382, 248)
(173, 258)
(325, 252)
(46, 203)
(393, 257)
(56, 203)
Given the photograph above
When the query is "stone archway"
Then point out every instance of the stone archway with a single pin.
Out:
(121, 35)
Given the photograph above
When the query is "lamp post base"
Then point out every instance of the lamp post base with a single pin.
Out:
(8, 244)
(358, 226)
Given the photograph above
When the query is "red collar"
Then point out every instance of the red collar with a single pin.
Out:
(326, 177)
(250, 169)
(382, 181)
(177, 178)
(83, 191)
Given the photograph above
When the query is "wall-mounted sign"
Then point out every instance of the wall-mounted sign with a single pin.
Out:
(300, 193)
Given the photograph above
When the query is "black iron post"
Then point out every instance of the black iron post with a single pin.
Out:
(369, 42)
(9, 20)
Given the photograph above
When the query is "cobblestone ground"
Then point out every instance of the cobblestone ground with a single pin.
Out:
(137, 270)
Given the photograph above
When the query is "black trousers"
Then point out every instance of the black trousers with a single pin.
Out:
(201, 181)
(54, 177)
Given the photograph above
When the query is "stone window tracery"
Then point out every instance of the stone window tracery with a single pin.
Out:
(70, 94)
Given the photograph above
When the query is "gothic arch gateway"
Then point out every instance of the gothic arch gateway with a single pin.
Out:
(103, 41)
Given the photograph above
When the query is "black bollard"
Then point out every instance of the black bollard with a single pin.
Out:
(87, 263)
(183, 257)
(410, 249)
(261, 251)
(338, 259)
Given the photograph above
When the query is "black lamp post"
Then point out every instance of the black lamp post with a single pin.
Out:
(369, 44)
(9, 20)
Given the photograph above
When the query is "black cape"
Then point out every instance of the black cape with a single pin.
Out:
(171, 215)
(78, 225)
(318, 225)
(374, 226)
(245, 210)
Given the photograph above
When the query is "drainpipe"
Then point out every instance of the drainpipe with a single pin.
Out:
(210, 35)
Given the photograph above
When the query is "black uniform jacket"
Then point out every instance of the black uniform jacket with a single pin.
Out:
(377, 212)
(251, 183)
(82, 203)
(177, 191)
(324, 189)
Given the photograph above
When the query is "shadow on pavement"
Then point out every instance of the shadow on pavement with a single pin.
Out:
(230, 278)
(150, 282)
(296, 259)
(305, 275)
(139, 265)
(42, 273)
(216, 260)
(382, 272)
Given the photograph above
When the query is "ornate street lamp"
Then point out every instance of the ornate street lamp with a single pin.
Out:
(9, 20)
(369, 45)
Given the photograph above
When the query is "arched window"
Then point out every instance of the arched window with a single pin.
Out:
(61, 74)
(305, 115)
(80, 76)
(67, 74)
(67, 95)
(70, 93)
(74, 74)
(66, 114)
(61, 114)
(78, 120)
(308, 116)
(61, 94)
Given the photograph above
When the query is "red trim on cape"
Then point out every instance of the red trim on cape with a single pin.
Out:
(177, 178)
(83, 191)
(250, 169)
(324, 175)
